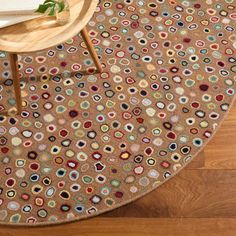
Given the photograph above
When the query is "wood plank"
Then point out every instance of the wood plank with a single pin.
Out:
(133, 227)
(220, 153)
(192, 193)
(197, 163)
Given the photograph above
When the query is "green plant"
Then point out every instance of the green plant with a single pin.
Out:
(51, 7)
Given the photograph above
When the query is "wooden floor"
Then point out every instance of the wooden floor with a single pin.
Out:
(200, 201)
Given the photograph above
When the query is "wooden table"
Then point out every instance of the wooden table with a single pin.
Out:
(43, 33)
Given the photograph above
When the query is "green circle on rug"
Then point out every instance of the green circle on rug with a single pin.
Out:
(88, 143)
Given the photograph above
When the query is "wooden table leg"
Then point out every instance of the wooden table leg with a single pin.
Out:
(91, 49)
(16, 80)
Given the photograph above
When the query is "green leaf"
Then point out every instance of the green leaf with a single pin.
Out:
(52, 5)
(49, 1)
(61, 6)
(52, 11)
(42, 8)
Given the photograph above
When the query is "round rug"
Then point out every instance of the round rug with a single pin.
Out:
(87, 143)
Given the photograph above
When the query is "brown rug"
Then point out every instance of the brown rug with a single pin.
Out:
(88, 143)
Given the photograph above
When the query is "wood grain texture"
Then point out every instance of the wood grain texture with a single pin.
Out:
(200, 201)
(220, 153)
(192, 193)
(198, 162)
(16, 80)
(91, 49)
(134, 227)
(42, 33)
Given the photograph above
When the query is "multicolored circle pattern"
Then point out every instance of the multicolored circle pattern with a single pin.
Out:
(87, 143)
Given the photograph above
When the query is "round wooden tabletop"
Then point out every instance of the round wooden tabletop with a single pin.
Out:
(44, 32)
